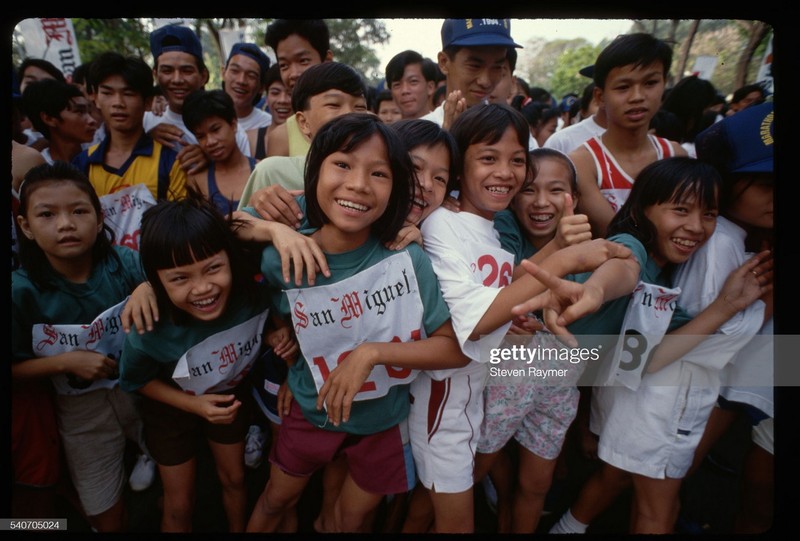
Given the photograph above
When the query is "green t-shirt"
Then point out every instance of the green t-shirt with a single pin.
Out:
(367, 416)
(511, 237)
(68, 303)
(154, 354)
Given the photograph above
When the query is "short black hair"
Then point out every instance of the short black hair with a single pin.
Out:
(133, 70)
(325, 76)
(48, 96)
(43, 65)
(638, 49)
(418, 132)
(397, 65)
(315, 31)
(202, 104)
(743, 91)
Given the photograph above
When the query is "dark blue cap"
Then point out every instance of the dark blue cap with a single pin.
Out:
(741, 143)
(477, 33)
(174, 37)
(253, 51)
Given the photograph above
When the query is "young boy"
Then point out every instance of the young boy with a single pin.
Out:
(211, 117)
(128, 156)
(386, 108)
(323, 92)
(61, 113)
(629, 76)
(412, 82)
(298, 45)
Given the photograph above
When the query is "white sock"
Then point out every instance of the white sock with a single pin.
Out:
(568, 524)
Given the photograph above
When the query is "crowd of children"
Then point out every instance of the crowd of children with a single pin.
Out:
(338, 291)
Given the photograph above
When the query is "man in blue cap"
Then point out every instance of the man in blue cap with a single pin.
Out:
(243, 80)
(180, 70)
(472, 58)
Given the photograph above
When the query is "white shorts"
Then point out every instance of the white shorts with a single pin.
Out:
(444, 426)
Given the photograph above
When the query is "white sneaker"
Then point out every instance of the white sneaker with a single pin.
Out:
(143, 474)
(253, 446)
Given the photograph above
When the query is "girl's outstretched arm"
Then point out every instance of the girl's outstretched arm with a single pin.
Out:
(439, 351)
(743, 287)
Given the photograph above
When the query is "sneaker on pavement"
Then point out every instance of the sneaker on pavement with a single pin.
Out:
(143, 474)
(253, 446)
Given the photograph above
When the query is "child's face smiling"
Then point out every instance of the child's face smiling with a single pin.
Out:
(493, 174)
(541, 204)
(681, 229)
(353, 191)
(201, 289)
(432, 167)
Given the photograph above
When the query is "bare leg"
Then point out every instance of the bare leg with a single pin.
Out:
(599, 492)
(419, 517)
(333, 477)
(454, 512)
(110, 520)
(281, 494)
(229, 459)
(657, 504)
(354, 507)
(756, 507)
(179, 492)
(535, 477)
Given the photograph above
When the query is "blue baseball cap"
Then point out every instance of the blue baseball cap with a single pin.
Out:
(253, 51)
(477, 32)
(174, 37)
(741, 143)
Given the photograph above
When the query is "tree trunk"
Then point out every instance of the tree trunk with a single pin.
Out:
(756, 32)
(687, 46)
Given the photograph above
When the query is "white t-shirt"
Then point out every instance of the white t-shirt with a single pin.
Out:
(256, 119)
(571, 137)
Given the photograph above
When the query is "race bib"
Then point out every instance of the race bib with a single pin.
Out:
(616, 196)
(493, 265)
(104, 335)
(646, 322)
(379, 304)
(122, 211)
(221, 361)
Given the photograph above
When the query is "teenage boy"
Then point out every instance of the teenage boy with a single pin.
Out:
(629, 75)
(412, 82)
(473, 58)
(179, 70)
(243, 80)
(211, 116)
(323, 92)
(61, 113)
(127, 156)
(298, 45)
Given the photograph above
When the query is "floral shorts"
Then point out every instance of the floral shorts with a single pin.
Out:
(537, 416)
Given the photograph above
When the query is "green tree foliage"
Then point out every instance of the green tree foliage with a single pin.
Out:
(127, 36)
(353, 42)
(565, 77)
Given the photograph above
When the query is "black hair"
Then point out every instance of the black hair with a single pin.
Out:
(740, 93)
(133, 70)
(346, 133)
(587, 96)
(322, 77)
(486, 123)
(48, 96)
(397, 65)
(638, 49)
(537, 112)
(315, 31)
(668, 125)
(203, 104)
(439, 93)
(43, 65)
(80, 75)
(669, 179)
(183, 231)
(542, 95)
(273, 74)
(544, 153)
(416, 132)
(32, 257)
(380, 97)
(688, 100)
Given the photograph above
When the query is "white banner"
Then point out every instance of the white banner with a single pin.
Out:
(53, 40)
(103, 335)
(379, 304)
(221, 361)
(122, 211)
(646, 321)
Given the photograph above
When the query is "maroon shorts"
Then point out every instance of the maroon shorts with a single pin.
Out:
(379, 463)
(35, 442)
